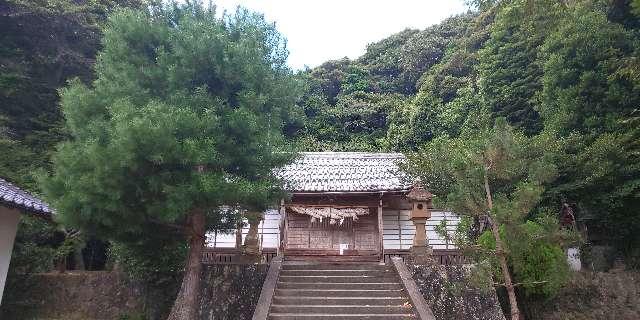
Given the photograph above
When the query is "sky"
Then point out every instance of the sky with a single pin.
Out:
(321, 30)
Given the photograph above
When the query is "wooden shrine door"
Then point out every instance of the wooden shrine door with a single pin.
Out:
(321, 238)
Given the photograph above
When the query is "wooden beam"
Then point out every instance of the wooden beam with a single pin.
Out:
(286, 231)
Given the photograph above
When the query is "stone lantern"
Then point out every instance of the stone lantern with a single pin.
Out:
(421, 205)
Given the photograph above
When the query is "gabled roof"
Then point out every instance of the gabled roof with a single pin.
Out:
(345, 172)
(14, 197)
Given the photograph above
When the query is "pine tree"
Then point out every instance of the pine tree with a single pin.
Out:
(496, 177)
(185, 117)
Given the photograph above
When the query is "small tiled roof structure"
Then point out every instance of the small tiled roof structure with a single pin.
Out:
(14, 197)
(345, 172)
(419, 193)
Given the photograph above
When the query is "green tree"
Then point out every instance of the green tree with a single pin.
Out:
(496, 176)
(397, 63)
(590, 101)
(448, 95)
(510, 70)
(185, 117)
(44, 43)
(635, 5)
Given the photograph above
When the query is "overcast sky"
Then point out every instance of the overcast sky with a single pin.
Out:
(321, 30)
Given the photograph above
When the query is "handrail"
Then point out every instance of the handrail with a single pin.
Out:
(410, 287)
(268, 290)
(445, 257)
(236, 256)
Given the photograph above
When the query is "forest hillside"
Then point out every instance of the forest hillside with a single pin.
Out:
(565, 70)
(545, 91)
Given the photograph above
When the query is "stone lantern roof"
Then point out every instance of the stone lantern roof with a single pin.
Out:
(419, 194)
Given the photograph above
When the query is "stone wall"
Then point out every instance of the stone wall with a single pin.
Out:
(72, 296)
(448, 292)
(228, 292)
(613, 295)
(231, 292)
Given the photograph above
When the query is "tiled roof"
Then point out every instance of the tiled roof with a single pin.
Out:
(345, 172)
(15, 197)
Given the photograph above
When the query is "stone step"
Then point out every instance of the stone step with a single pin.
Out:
(310, 316)
(341, 309)
(336, 266)
(337, 279)
(339, 285)
(332, 300)
(331, 291)
(339, 292)
(328, 272)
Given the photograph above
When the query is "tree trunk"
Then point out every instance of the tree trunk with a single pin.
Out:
(504, 267)
(186, 305)
(239, 236)
(502, 256)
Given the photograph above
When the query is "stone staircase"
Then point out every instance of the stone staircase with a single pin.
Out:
(339, 291)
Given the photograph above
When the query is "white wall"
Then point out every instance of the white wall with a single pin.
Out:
(398, 230)
(268, 230)
(9, 219)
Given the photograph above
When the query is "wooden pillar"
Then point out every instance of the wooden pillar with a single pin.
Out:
(380, 230)
(281, 228)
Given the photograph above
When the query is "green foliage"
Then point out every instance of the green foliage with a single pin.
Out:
(590, 102)
(43, 43)
(582, 91)
(186, 112)
(34, 248)
(538, 263)
(356, 80)
(155, 262)
(509, 68)
(398, 62)
(358, 121)
(566, 72)
(635, 7)
(499, 173)
(344, 98)
(448, 95)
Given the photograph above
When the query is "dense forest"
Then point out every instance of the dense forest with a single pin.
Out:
(565, 70)
(564, 74)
